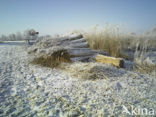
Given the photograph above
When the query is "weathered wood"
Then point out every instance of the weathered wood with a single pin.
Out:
(76, 37)
(78, 52)
(118, 62)
(100, 52)
(68, 41)
(82, 58)
(78, 40)
(79, 45)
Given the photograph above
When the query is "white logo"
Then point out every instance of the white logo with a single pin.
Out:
(137, 110)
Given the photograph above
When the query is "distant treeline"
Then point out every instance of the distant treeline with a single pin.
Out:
(27, 34)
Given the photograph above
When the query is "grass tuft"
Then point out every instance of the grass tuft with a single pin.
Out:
(54, 60)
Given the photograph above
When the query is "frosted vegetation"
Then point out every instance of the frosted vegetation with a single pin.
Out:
(137, 49)
(88, 89)
(19, 36)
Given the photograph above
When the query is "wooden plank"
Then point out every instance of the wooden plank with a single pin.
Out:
(76, 37)
(82, 58)
(79, 49)
(81, 54)
(118, 62)
(100, 52)
(79, 45)
(66, 40)
(78, 40)
(77, 52)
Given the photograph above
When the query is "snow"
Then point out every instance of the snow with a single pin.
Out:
(32, 90)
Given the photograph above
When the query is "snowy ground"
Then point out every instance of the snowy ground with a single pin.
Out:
(32, 91)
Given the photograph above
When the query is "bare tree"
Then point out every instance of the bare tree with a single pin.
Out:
(30, 34)
(12, 37)
(4, 38)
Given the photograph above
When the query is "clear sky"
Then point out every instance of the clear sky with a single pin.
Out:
(57, 16)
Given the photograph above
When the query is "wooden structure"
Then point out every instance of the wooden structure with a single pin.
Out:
(79, 49)
(75, 48)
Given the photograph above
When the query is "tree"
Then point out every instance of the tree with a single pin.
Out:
(19, 36)
(12, 37)
(30, 34)
(4, 38)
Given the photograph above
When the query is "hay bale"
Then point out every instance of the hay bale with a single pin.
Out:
(118, 62)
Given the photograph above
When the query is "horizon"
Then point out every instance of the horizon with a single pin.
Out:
(56, 17)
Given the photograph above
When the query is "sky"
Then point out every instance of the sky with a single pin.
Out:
(59, 16)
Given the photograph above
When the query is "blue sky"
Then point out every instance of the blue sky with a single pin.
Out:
(58, 16)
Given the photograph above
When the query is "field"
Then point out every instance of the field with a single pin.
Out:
(55, 87)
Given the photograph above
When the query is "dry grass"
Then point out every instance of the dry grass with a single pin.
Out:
(84, 71)
(109, 39)
(54, 60)
(146, 69)
(91, 70)
(117, 43)
(78, 70)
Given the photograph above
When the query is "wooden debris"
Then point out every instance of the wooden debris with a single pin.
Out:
(77, 48)
(118, 62)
